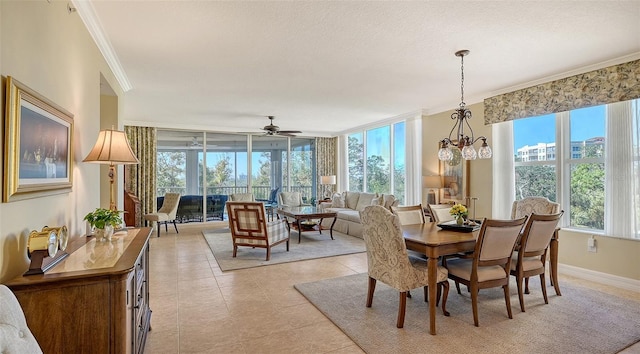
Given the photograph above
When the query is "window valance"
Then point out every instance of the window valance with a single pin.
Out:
(607, 85)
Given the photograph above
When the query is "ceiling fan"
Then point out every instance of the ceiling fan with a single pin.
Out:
(272, 129)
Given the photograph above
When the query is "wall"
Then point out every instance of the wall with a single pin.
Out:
(615, 256)
(49, 50)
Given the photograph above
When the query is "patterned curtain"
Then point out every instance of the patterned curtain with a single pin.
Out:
(608, 85)
(325, 161)
(140, 179)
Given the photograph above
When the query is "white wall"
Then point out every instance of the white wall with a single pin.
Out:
(49, 50)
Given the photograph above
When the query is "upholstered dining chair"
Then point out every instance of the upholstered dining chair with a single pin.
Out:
(389, 262)
(15, 336)
(249, 227)
(409, 214)
(528, 205)
(440, 212)
(166, 213)
(531, 256)
(489, 265)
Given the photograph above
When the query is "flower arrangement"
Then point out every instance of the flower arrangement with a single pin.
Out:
(100, 218)
(458, 211)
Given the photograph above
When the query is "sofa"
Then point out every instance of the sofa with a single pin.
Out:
(348, 206)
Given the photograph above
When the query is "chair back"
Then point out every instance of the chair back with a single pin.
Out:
(440, 212)
(15, 336)
(538, 233)
(387, 256)
(242, 197)
(247, 221)
(170, 205)
(496, 242)
(273, 196)
(539, 205)
(409, 215)
(291, 199)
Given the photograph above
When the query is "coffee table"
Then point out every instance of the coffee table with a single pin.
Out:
(306, 213)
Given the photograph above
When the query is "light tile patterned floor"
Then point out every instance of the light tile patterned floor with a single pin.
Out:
(199, 309)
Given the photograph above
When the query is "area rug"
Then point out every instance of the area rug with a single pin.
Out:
(582, 320)
(313, 245)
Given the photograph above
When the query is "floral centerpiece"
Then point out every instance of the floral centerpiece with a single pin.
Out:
(459, 212)
(104, 221)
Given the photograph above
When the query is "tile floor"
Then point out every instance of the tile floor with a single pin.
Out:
(199, 309)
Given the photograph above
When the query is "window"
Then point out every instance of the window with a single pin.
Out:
(587, 174)
(356, 162)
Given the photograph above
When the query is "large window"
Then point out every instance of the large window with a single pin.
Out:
(376, 160)
(579, 157)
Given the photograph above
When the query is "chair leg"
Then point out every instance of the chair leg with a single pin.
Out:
(158, 227)
(174, 225)
(458, 288)
(445, 285)
(268, 253)
(544, 288)
(474, 305)
(372, 288)
(287, 245)
(235, 250)
(409, 294)
(166, 226)
(526, 285)
(520, 294)
(401, 309)
(507, 299)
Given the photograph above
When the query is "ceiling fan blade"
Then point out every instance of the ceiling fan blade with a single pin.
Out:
(289, 132)
(285, 134)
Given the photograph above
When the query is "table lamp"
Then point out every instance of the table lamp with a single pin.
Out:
(433, 183)
(327, 181)
(112, 148)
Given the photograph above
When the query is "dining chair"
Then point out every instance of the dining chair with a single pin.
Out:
(410, 214)
(440, 212)
(249, 227)
(528, 205)
(389, 262)
(166, 213)
(489, 265)
(530, 259)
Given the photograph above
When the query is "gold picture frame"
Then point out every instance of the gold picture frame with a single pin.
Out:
(455, 179)
(38, 136)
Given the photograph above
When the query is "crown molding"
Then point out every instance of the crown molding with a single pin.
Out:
(88, 15)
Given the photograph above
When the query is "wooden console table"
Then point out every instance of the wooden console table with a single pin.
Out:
(94, 301)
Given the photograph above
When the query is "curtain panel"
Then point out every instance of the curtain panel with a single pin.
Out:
(325, 161)
(140, 179)
(608, 85)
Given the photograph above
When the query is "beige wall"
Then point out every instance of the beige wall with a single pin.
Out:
(614, 256)
(50, 51)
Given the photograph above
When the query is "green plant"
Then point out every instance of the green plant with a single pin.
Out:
(100, 217)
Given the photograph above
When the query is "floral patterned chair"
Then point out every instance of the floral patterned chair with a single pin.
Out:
(389, 262)
(249, 227)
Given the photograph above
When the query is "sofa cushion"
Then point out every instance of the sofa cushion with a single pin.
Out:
(389, 200)
(348, 214)
(351, 199)
(364, 200)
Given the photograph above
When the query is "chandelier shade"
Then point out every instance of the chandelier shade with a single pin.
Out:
(463, 140)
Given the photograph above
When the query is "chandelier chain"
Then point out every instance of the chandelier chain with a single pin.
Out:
(462, 81)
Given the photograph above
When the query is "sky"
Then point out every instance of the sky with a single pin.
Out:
(585, 123)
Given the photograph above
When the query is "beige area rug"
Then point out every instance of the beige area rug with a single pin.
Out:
(580, 321)
(313, 245)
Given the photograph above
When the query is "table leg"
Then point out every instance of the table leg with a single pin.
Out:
(432, 269)
(331, 228)
(553, 262)
(320, 226)
(299, 230)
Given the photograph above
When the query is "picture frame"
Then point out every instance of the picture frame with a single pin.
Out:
(455, 179)
(38, 141)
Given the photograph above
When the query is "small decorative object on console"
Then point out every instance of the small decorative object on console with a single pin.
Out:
(104, 221)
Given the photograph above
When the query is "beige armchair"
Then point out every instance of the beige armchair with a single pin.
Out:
(249, 227)
(490, 262)
(166, 213)
(290, 199)
(539, 205)
(388, 261)
(242, 197)
(531, 257)
(15, 336)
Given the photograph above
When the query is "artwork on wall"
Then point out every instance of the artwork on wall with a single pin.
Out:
(38, 134)
(455, 179)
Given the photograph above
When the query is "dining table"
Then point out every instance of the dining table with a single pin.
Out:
(435, 242)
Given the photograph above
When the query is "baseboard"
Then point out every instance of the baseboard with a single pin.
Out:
(599, 277)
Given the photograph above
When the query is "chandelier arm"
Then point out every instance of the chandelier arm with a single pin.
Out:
(469, 125)
(453, 128)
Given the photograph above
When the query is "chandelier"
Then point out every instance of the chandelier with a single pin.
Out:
(463, 141)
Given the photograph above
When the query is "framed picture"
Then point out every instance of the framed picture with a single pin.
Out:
(455, 179)
(37, 145)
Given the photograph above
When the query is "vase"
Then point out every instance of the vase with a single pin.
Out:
(459, 220)
(104, 234)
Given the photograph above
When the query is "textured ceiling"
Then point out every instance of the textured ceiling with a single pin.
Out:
(327, 67)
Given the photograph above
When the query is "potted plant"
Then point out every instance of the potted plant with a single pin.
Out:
(104, 221)
(459, 212)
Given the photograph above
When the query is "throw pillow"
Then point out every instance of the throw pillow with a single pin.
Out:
(376, 201)
(337, 201)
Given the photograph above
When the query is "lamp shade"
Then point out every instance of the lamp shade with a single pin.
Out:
(327, 179)
(432, 182)
(112, 148)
